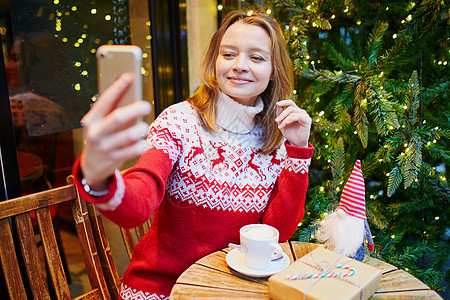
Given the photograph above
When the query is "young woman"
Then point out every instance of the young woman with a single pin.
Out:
(234, 153)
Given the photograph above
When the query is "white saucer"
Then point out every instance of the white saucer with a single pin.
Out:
(235, 259)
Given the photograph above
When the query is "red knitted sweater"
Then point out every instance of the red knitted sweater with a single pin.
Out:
(202, 187)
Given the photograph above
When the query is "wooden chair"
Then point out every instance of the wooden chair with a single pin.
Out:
(22, 266)
(130, 238)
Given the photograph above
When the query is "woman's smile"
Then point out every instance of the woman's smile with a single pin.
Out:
(239, 80)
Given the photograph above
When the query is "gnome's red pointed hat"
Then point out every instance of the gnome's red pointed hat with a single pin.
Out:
(353, 200)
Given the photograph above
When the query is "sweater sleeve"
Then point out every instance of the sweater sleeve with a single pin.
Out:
(286, 206)
(135, 196)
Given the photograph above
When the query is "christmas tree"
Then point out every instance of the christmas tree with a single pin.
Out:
(373, 76)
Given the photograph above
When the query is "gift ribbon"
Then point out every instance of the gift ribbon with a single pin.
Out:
(325, 272)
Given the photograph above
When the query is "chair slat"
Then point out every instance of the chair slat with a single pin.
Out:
(129, 240)
(141, 231)
(36, 276)
(10, 266)
(91, 295)
(87, 242)
(104, 250)
(150, 221)
(52, 255)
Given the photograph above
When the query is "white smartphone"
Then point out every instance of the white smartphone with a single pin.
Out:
(114, 60)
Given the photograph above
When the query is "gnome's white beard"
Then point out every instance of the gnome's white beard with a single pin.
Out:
(341, 233)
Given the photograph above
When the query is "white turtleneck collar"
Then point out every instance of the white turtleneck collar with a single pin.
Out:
(236, 117)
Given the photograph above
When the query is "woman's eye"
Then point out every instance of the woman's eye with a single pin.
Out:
(228, 55)
(257, 58)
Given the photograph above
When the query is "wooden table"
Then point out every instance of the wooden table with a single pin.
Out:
(211, 278)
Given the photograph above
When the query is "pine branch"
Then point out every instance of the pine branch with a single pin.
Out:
(385, 113)
(395, 178)
(438, 152)
(306, 234)
(374, 160)
(321, 22)
(318, 90)
(394, 57)
(341, 109)
(443, 252)
(375, 216)
(339, 60)
(338, 161)
(322, 124)
(438, 91)
(375, 43)
(329, 76)
(414, 159)
(360, 117)
(387, 243)
(410, 255)
(430, 277)
(413, 98)
(426, 18)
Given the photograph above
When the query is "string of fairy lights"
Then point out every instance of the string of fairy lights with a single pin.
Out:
(107, 17)
(77, 38)
(346, 10)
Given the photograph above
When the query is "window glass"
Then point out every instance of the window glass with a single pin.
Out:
(49, 49)
(54, 50)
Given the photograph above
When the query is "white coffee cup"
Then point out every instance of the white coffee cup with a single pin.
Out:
(259, 244)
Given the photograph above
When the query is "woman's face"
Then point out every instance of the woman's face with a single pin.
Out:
(243, 66)
(13, 65)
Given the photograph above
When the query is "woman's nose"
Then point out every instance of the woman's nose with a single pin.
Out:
(240, 64)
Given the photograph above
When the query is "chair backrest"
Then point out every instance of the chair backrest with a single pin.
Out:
(130, 238)
(22, 266)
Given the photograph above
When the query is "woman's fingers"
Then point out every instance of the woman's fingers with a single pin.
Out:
(284, 107)
(288, 112)
(108, 99)
(130, 151)
(293, 122)
(118, 120)
(124, 138)
(296, 116)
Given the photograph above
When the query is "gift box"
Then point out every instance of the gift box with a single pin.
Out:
(324, 274)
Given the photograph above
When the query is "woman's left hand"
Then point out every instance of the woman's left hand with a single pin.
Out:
(294, 123)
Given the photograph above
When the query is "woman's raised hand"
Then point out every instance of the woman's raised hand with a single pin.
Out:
(112, 136)
(294, 123)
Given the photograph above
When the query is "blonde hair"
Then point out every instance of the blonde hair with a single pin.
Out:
(205, 98)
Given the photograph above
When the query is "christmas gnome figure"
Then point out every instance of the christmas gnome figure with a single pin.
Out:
(344, 230)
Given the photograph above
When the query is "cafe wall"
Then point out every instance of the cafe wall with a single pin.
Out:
(201, 25)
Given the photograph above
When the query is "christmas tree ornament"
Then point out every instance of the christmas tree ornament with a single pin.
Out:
(345, 229)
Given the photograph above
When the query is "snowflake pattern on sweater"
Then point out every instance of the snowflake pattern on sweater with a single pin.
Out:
(225, 174)
(127, 293)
